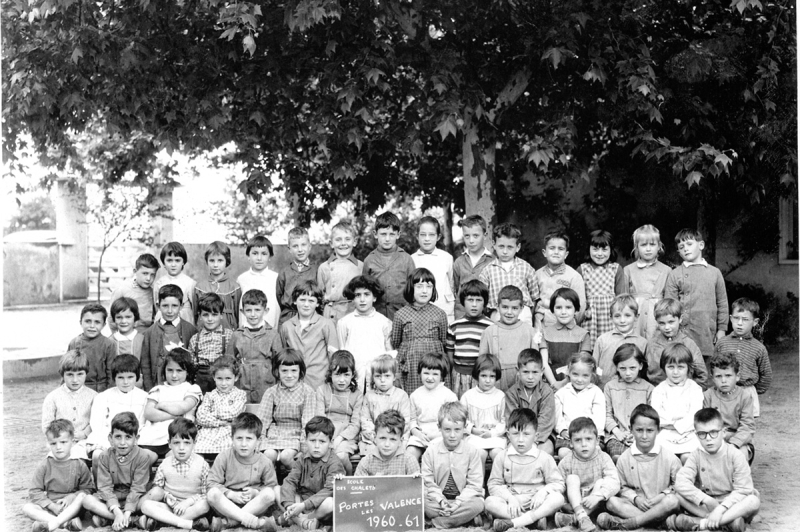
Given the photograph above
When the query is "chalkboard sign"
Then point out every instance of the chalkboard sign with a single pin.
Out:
(390, 504)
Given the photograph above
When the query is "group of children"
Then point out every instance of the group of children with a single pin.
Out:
(378, 364)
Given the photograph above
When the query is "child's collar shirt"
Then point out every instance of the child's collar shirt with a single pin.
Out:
(174, 322)
(569, 326)
(532, 452)
(642, 264)
(558, 270)
(300, 267)
(122, 338)
(655, 451)
(701, 262)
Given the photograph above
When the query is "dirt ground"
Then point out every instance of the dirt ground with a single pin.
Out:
(775, 470)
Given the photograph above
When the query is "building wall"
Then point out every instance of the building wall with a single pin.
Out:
(30, 274)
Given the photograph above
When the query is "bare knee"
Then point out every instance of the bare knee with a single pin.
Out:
(214, 495)
(613, 504)
(672, 502)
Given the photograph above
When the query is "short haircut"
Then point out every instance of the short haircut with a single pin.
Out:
(183, 358)
(383, 364)
(288, 357)
(520, 417)
(182, 428)
(319, 424)
(486, 362)
(645, 410)
(297, 232)
(145, 260)
(73, 360)
(567, 294)
(507, 230)
(603, 239)
(170, 290)
(259, 241)
(254, 297)
(211, 302)
(622, 301)
(125, 422)
(473, 288)
(707, 415)
(391, 420)
(58, 426)
(627, 351)
(125, 364)
(247, 422)
(363, 282)
(344, 227)
(387, 220)
(225, 362)
(455, 411)
(218, 248)
(122, 304)
(308, 288)
(677, 353)
(583, 358)
(644, 234)
(175, 249)
(526, 356)
(557, 235)
(582, 423)
(688, 234)
(343, 361)
(746, 304)
(668, 307)
(723, 361)
(94, 308)
(430, 220)
(510, 293)
(420, 275)
(472, 221)
(433, 361)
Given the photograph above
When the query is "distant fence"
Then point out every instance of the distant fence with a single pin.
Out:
(118, 262)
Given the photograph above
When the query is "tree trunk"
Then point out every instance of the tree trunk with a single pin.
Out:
(707, 217)
(479, 174)
(100, 271)
(447, 227)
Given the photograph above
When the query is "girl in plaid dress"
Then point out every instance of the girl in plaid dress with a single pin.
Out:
(604, 279)
(286, 408)
(419, 328)
(219, 407)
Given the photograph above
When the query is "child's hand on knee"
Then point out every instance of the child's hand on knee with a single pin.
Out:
(514, 507)
(293, 510)
(590, 502)
(182, 506)
(237, 497)
(715, 517)
(641, 503)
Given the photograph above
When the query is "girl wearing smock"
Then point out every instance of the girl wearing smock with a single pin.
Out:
(562, 339)
(646, 278)
(603, 279)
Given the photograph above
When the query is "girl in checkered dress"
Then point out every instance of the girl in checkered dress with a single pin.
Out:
(340, 400)
(219, 407)
(604, 279)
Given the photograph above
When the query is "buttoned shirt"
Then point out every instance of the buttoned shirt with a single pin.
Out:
(332, 277)
(521, 274)
(75, 406)
(754, 366)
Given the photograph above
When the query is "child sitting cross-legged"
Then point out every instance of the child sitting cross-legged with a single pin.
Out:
(383, 395)
(590, 476)
(386, 457)
(426, 401)
(123, 472)
(525, 486)
(218, 408)
(242, 482)
(733, 402)
(60, 483)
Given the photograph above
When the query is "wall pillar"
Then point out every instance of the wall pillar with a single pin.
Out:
(73, 238)
(161, 209)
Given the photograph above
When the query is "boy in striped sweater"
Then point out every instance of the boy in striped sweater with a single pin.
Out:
(464, 335)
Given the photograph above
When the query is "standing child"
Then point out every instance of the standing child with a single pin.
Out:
(603, 279)
(469, 265)
(309, 333)
(556, 274)
(140, 289)
(509, 270)
(624, 311)
(525, 486)
(676, 400)
(286, 408)
(382, 396)
(418, 328)
(259, 251)
(590, 475)
(334, 275)
(340, 400)
(365, 331)
(178, 496)
(437, 261)
(453, 473)
(177, 398)
(507, 337)
(299, 271)
(647, 475)
(125, 314)
(578, 398)
(219, 407)
(218, 258)
(59, 484)
(645, 279)
(464, 334)
(564, 338)
(389, 264)
(627, 390)
(701, 290)
(387, 456)
(168, 332)
(715, 484)
(255, 345)
(733, 402)
(756, 371)
(174, 259)
(123, 472)
(71, 401)
(242, 481)
(99, 350)
(530, 391)
(426, 401)
(487, 409)
(668, 321)
(210, 342)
